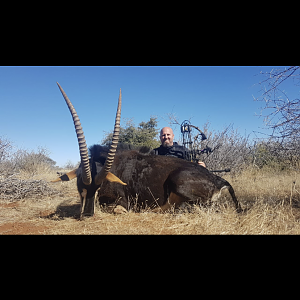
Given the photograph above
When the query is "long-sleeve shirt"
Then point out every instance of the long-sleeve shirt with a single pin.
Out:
(175, 150)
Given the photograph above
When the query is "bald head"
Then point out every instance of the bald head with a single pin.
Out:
(166, 137)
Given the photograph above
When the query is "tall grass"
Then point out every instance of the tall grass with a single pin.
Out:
(271, 201)
(270, 196)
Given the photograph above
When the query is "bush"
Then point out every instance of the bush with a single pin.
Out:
(229, 149)
(31, 163)
(276, 155)
(5, 148)
(69, 165)
(16, 189)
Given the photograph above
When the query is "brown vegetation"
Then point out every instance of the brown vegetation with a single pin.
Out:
(272, 201)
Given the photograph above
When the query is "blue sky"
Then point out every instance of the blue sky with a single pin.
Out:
(33, 112)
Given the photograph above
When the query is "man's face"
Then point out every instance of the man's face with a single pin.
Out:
(166, 137)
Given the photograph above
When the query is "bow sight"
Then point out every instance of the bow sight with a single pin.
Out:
(186, 129)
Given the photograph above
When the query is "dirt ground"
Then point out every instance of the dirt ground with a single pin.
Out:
(60, 215)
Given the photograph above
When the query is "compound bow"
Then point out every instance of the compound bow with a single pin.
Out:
(186, 129)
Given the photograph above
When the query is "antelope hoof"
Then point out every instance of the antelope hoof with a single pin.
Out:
(120, 210)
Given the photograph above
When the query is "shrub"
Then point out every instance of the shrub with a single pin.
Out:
(229, 149)
(31, 163)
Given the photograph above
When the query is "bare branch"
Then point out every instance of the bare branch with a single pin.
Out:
(282, 114)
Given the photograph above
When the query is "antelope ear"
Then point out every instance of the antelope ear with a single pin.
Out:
(113, 178)
(66, 177)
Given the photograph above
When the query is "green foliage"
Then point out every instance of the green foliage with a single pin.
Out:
(143, 135)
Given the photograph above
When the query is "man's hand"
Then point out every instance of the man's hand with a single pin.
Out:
(201, 163)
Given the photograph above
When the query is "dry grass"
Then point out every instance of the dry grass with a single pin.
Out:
(272, 201)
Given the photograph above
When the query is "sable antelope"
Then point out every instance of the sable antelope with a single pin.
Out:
(90, 175)
(111, 176)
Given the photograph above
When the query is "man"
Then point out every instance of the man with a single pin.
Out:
(168, 147)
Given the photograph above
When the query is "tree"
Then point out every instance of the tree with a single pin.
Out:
(5, 148)
(143, 135)
(282, 113)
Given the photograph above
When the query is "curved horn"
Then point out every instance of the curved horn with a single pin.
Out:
(86, 171)
(113, 147)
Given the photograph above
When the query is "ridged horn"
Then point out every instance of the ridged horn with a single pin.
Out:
(113, 147)
(84, 155)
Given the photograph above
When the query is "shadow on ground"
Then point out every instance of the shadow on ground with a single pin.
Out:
(66, 209)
